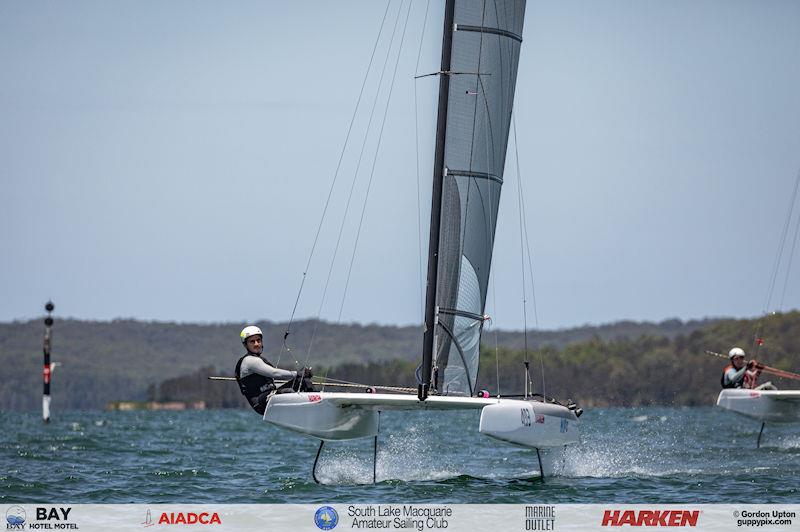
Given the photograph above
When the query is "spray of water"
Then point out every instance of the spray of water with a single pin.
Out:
(406, 456)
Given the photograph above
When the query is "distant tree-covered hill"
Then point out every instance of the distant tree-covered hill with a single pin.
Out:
(650, 369)
(132, 360)
(113, 360)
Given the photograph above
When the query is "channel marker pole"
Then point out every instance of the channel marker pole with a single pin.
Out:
(46, 372)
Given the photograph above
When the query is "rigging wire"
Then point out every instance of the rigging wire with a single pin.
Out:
(416, 146)
(333, 381)
(779, 254)
(523, 213)
(352, 186)
(333, 184)
(791, 257)
(757, 340)
(522, 269)
(375, 159)
(533, 289)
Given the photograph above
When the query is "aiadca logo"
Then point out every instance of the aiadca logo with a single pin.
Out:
(326, 518)
(15, 518)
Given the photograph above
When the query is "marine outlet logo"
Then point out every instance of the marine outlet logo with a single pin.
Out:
(15, 518)
(326, 518)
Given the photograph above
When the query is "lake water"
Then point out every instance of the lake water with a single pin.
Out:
(641, 455)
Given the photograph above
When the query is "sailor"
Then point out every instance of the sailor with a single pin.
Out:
(256, 376)
(734, 374)
(739, 374)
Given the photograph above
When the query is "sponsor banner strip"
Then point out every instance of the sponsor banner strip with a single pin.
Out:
(400, 517)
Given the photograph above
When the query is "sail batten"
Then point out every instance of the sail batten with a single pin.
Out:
(483, 29)
(480, 175)
(484, 38)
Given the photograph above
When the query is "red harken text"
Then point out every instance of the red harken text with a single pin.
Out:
(651, 517)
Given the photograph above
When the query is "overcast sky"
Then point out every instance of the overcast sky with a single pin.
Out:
(171, 160)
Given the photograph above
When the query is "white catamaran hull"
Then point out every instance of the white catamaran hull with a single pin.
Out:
(773, 406)
(345, 416)
(529, 424)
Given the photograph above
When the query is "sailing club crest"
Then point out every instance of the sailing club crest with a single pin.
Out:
(326, 518)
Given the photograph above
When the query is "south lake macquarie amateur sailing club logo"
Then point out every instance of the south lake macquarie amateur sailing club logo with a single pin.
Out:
(326, 518)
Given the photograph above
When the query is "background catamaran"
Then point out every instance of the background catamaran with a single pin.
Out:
(769, 405)
(480, 53)
(766, 406)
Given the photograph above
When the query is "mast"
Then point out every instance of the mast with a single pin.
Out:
(47, 369)
(436, 204)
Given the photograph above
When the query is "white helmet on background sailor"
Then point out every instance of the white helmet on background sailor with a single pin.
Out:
(250, 330)
(736, 352)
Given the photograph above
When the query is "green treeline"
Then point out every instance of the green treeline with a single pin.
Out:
(646, 370)
(626, 363)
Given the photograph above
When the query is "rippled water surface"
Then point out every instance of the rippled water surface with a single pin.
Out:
(230, 456)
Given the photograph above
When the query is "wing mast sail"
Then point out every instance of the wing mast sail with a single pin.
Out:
(480, 54)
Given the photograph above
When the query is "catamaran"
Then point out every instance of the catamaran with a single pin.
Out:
(480, 53)
(764, 405)
(774, 406)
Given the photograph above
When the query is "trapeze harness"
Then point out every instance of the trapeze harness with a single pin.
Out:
(739, 379)
(258, 388)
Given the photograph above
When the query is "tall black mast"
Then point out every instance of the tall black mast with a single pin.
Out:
(436, 203)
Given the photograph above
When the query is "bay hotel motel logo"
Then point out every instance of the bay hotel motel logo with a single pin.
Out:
(46, 519)
(15, 518)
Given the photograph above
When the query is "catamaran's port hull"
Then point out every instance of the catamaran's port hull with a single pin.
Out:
(770, 406)
(346, 416)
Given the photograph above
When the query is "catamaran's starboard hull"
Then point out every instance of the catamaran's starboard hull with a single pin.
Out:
(772, 406)
(530, 424)
(345, 416)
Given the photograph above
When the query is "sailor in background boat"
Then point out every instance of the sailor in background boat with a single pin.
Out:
(256, 376)
(740, 375)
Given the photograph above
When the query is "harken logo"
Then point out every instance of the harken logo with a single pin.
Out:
(651, 517)
(326, 518)
(15, 518)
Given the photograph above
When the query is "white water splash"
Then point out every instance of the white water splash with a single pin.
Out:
(791, 442)
(614, 461)
(407, 457)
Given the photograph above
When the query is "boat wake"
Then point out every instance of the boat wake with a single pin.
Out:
(611, 461)
(405, 457)
(791, 443)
